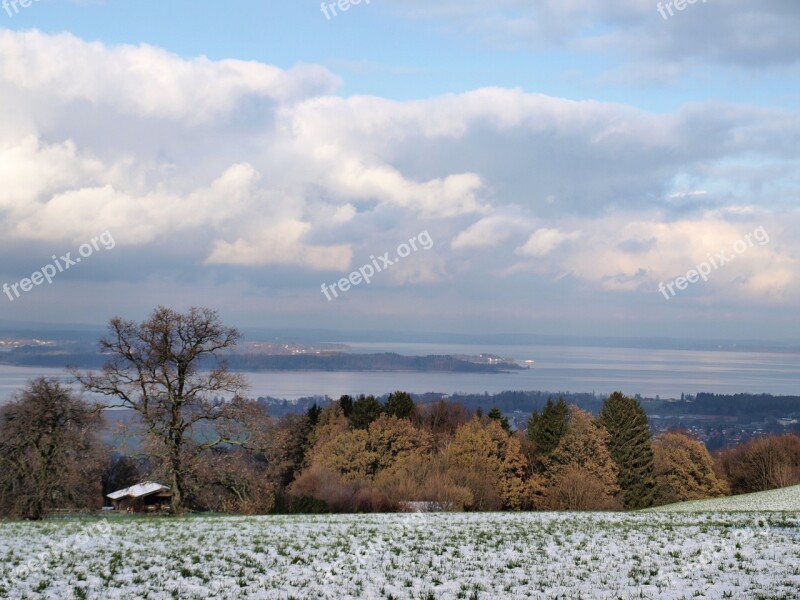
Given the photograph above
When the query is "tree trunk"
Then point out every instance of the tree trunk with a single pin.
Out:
(177, 501)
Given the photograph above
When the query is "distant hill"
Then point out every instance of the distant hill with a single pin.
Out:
(76, 356)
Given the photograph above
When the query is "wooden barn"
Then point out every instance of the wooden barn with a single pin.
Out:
(147, 496)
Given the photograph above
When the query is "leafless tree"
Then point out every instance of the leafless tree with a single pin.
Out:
(762, 464)
(50, 453)
(170, 371)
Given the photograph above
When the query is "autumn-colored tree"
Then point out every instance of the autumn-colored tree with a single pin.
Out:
(762, 464)
(316, 485)
(423, 478)
(630, 443)
(50, 453)
(359, 454)
(577, 489)
(332, 421)
(345, 461)
(477, 459)
(519, 489)
(348, 454)
(394, 439)
(684, 469)
(583, 450)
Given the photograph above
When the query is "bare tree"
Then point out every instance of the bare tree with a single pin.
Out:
(762, 464)
(50, 453)
(169, 370)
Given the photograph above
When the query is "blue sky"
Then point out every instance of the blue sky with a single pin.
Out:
(565, 157)
(381, 51)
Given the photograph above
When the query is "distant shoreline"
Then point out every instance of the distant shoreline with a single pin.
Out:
(258, 363)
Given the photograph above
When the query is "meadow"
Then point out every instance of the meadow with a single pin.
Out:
(670, 555)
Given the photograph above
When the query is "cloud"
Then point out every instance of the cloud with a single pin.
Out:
(544, 241)
(246, 172)
(748, 34)
(282, 244)
(148, 81)
(636, 256)
(488, 232)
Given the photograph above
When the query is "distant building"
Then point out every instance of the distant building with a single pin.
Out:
(147, 496)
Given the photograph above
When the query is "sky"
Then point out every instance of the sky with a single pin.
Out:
(617, 168)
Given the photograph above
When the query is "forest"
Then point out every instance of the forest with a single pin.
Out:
(356, 454)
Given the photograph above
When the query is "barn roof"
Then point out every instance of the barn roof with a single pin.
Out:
(140, 490)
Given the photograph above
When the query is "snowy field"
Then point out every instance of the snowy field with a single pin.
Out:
(786, 499)
(496, 555)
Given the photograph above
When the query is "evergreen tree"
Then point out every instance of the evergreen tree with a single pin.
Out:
(631, 448)
(496, 415)
(365, 410)
(346, 403)
(400, 404)
(546, 429)
(312, 414)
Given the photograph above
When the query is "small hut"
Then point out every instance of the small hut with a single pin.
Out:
(147, 496)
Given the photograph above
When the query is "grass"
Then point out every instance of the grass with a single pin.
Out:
(672, 555)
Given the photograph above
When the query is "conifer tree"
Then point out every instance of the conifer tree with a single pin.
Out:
(400, 404)
(496, 415)
(346, 402)
(546, 429)
(365, 410)
(630, 443)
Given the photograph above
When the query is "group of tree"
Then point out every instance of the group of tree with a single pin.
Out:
(442, 455)
(51, 456)
(761, 464)
(355, 454)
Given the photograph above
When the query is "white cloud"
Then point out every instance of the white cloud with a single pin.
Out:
(145, 80)
(488, 232)
(731, 32)
(638, 255)
(544, 241)
(311, 180)
(282, 244)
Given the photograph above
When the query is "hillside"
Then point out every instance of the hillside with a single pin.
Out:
(782, 500)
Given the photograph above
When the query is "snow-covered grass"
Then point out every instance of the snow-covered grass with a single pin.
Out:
(495, 555)
(786, 499)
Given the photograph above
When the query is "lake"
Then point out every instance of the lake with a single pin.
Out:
(666, 373)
